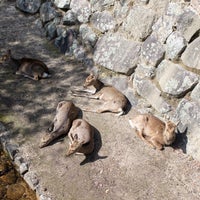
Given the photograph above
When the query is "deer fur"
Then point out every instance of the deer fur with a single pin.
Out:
(28, 67)
(81, 137)
(66, 112)
(153, 131)
(112, 100)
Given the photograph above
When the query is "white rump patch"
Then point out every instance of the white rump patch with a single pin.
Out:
(45, 75)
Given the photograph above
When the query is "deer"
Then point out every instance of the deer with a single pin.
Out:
(28, 67)
(81, 136)
(153, 131)
(66, 112)
(111, 99)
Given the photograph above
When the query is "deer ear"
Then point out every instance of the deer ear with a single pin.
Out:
(60, 104)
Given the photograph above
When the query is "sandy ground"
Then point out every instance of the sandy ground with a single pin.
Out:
(122, 167)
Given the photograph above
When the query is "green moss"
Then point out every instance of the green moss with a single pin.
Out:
(6, 118)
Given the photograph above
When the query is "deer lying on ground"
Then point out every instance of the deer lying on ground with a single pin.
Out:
(153, 131)
(28, 67)
(66, 112)
(81, 137)
(112, 99)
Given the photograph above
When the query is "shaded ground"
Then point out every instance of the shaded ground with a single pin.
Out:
(128, 169)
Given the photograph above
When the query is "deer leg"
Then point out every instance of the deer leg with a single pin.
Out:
(156, 144)
(141, 136)
(36, 77)
(82, 90)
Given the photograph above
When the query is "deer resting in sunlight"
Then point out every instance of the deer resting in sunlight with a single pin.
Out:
(112, 100)
(81, 137)
(66, 112)
(28, 67)
(153, 131)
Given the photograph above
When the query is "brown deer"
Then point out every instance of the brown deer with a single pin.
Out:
(111, 99)
(28, 67)
(66, 112)
(153, 131)
(81, 137)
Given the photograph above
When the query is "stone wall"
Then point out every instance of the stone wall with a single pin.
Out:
(148, 49)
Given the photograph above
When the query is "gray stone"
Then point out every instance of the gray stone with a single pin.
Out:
(195, 95)
(117, 53)
(29, 6)
(69, 18)
(103, 21)
(121, 11)
(145, 71)
(175, 45)
(12, 149)
(191, 56)
(31, 179)
(174, 9)
(51, 30)
(100, 5)
(152, 51)
(138, 23)
(61, 30)
(141, 2)
(163, 27)
(158, 6)
(175, 80)
(44, 197)
(148, 90)
(79, 53)
(196, 5)
(88, 36)
(47, 12)
(188, 113)
(23, 168)
(65, 41)
(82, 9)
(188, 24)
(62, 3)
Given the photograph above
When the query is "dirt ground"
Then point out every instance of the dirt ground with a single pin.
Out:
(122, 167)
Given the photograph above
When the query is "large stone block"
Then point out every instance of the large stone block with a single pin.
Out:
(139, 22)
(175, 45)
(29, 6)
(100, 5)
(103, 21)
(195, 94)
(148, 90)
(196, 5)
(191, 56)
(87, 35)
(117, 53)
(188, 113)
(82, 9)
(152, 51)
(163, 27)
(47, 12)
(175, 80)
(188, 23)
(62, 3)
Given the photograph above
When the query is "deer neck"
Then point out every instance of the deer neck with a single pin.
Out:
(98, 85)
(15, 62)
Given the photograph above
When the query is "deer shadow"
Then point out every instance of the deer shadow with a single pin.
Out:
(97, 146)
(181, 140)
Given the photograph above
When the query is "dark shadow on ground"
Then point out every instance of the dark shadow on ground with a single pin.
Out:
(181, 140)
(97, 146)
